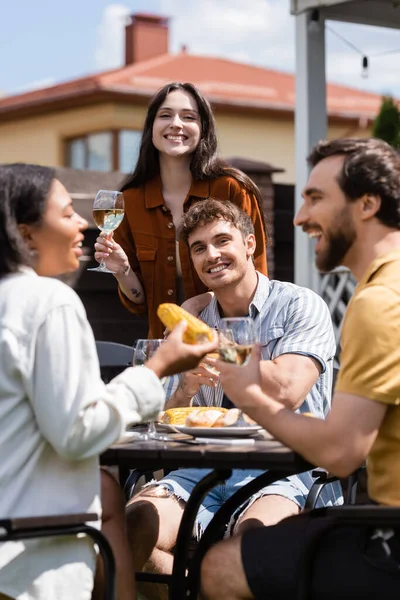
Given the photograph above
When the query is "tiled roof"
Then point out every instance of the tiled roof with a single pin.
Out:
(224, 82)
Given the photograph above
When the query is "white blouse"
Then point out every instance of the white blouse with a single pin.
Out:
(56, 417)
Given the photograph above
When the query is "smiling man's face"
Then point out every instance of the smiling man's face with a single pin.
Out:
(327, 216)
(219, 253)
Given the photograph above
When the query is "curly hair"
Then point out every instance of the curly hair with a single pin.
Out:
(207, 211)
(370, 166)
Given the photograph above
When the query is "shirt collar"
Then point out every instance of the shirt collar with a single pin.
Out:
(261, 294)
(153, 191)
(376, 264)
(27, 270)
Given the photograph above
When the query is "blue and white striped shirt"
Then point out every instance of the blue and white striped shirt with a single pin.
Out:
(289, 320)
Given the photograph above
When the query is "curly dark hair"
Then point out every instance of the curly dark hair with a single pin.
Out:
(24, 190)
(370, 166)
(207, 211)
(205, 163)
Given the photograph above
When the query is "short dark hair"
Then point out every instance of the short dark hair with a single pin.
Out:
(207, 211)
(370, 166)
(24, 190)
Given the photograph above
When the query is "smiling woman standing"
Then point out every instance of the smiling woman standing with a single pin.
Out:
(178, 164)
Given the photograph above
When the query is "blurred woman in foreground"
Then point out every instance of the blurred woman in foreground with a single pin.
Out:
(56, 414)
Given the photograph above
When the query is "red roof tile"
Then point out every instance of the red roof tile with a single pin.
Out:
(222, 81)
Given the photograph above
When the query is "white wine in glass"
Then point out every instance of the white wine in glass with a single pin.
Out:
(237, 337)
(144, 350)
(108, 212)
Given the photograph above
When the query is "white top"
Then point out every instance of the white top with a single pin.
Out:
(56, 417)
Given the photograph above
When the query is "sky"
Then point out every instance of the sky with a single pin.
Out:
(46, 42)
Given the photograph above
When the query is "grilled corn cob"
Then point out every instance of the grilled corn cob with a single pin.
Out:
(196, 331)
(177, 416)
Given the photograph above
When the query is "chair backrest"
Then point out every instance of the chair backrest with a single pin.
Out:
(112, 354)
(113, 358)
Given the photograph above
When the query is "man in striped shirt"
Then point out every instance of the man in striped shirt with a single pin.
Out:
(298, 346)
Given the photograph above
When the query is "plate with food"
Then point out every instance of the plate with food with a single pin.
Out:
(209, 421)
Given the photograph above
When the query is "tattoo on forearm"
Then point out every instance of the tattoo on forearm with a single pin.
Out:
(135, 292)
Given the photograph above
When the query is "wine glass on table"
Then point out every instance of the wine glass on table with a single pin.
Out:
(144, 350)
(108, 212)
(237, 336)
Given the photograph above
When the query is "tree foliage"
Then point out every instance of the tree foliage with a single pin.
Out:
(387, 124)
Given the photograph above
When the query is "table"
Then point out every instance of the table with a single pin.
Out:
(154, 455)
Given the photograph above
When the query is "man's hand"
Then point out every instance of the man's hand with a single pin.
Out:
(242, 384)
(192, 380)
(174, 356)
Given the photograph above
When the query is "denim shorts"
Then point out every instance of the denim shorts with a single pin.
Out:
(180, 484)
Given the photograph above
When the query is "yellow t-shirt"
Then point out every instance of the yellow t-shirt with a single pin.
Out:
(370, 367)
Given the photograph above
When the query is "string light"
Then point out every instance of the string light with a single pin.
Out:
(313, 25)
(364, 58)
(365, 67)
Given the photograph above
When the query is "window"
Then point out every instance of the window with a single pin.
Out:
(99, 152)
(129, 143)
(76, 154)
(105, 151)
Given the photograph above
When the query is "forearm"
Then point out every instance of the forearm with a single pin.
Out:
(281, 385)
(317, 440)
(130, 285)
(178, 399)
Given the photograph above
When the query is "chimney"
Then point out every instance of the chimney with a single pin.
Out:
(146, 36)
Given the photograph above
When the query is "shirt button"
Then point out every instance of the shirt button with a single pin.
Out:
(170, 258)
(170, 225)
(170, 292)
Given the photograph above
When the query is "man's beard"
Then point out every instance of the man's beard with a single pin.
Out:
(339, 243)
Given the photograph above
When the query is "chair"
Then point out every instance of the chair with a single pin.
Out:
(113, 358)
(61, 525)
(360, 515)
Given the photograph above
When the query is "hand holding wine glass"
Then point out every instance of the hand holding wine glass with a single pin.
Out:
(237, 337)
(108, 212)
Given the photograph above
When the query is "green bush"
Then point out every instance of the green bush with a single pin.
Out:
(387, 124)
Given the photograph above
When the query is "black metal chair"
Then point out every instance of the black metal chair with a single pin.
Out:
(113, 358)
(61, 525)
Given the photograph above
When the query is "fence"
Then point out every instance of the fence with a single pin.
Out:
(337, 288)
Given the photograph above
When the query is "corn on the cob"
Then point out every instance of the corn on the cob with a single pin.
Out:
(177, 416)
(196, 331)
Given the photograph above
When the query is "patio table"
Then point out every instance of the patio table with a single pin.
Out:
(270, 455)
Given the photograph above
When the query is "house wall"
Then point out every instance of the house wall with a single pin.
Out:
(266, 138)
(270, 139)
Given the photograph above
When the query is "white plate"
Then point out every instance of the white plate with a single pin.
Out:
(219, 431)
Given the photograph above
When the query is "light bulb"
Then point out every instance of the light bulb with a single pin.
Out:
(365, 67)
(313, 24)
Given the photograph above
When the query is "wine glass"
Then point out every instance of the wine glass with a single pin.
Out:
(144, 350)
(237, 337)
(108, 212)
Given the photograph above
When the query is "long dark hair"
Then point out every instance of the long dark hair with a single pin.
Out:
(24, 190)
(205, 163)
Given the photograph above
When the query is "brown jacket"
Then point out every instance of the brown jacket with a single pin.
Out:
(147, 234)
